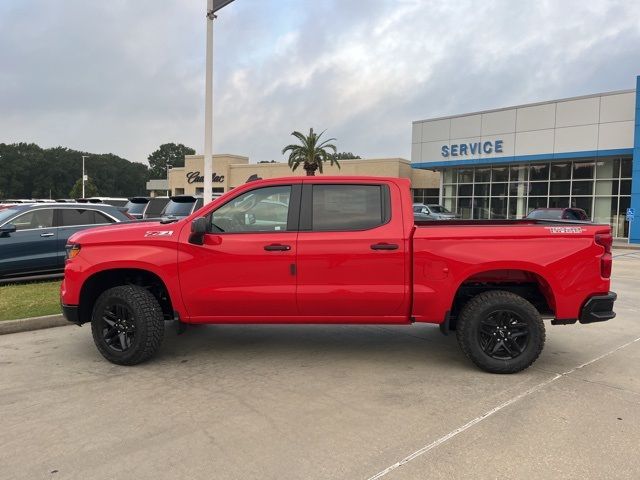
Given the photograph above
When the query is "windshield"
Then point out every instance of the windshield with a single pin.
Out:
(438, 209)
(6, 214)
(178, 209)
(134, 207)
(549, 214)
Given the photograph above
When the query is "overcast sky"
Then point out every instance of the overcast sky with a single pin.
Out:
(124, 76)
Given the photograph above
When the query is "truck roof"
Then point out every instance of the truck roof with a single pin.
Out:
(333, 178)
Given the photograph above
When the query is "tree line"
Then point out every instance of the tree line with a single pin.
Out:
(29, 171)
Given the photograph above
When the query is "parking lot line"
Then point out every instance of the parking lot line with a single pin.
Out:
(486, 415)
(626, 254)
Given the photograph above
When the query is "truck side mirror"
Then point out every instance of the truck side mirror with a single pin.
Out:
(198, 231)
(6, 229)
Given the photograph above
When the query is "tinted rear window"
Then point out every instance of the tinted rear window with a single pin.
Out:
(155, 207)
(178, 209)
(135, 207)
(347, 207)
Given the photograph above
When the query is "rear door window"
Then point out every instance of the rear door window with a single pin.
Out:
(71, 217)
(101, 218)
(348, 207)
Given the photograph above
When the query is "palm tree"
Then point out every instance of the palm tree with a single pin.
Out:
(311, 153)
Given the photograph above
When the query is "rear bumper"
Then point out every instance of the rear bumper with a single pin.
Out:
(598, 308)
(70, 313)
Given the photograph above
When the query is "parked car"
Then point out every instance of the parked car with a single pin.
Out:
(423, 217)
(181, 206)
(136, 206)
(559, 214)
(33, 236)
(436, 212)
(116, 202)
(347, 251)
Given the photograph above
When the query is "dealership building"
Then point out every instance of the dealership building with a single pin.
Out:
(579, 152)
(229, 171)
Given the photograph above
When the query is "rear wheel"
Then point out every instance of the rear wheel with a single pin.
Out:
(127, 325)
(500, 332)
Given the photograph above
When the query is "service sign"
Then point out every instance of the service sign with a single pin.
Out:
(472, 149)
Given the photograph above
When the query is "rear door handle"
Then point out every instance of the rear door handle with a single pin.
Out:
(46, 234)
(384, 246)
(276, 247)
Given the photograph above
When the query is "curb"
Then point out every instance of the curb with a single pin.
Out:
(632, 246)
(34, 323)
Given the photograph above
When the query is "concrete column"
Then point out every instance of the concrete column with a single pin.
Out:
(634, 230)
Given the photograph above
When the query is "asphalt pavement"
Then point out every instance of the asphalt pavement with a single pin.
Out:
(325, 402)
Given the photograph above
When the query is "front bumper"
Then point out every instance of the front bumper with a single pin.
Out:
(70, 312)
(598, 308)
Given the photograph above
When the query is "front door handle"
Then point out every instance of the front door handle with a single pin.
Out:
(384, 246)
(46, 234)
(276, 247)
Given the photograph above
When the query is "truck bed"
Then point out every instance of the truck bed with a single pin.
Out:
(522, 221)
(561, 257)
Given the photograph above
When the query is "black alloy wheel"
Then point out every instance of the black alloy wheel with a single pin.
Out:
(118, 327)
(503, 335)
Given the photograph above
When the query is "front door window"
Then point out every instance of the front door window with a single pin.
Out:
(261, 210)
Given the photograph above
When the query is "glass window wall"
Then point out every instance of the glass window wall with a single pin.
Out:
(601, 187)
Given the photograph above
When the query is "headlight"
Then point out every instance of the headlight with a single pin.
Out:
(72, 250)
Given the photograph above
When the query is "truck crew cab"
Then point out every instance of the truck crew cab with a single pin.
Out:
(338, 250)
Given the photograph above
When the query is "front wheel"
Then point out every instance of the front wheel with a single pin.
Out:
(500, 332)
(127, 325)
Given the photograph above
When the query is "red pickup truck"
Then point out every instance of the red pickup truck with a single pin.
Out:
(337, 250)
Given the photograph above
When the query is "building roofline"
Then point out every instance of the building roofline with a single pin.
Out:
(350, 160)
(216, 155)
(547, 102)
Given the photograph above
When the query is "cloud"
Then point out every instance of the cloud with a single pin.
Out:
(126, 76)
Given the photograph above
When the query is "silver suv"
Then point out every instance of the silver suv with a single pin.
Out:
(435, 212)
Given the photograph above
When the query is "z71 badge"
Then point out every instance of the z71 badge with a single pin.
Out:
(565, 229)
(159, 233)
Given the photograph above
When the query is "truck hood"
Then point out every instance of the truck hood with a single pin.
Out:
(128, 232)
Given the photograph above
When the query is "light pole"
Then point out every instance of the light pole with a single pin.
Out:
(212, 7)
(84, 177)
(169, 167)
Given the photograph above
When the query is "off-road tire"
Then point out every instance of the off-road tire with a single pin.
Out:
(146, 318)
(482, 307)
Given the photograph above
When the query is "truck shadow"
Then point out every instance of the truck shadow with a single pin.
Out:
(312, 343)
